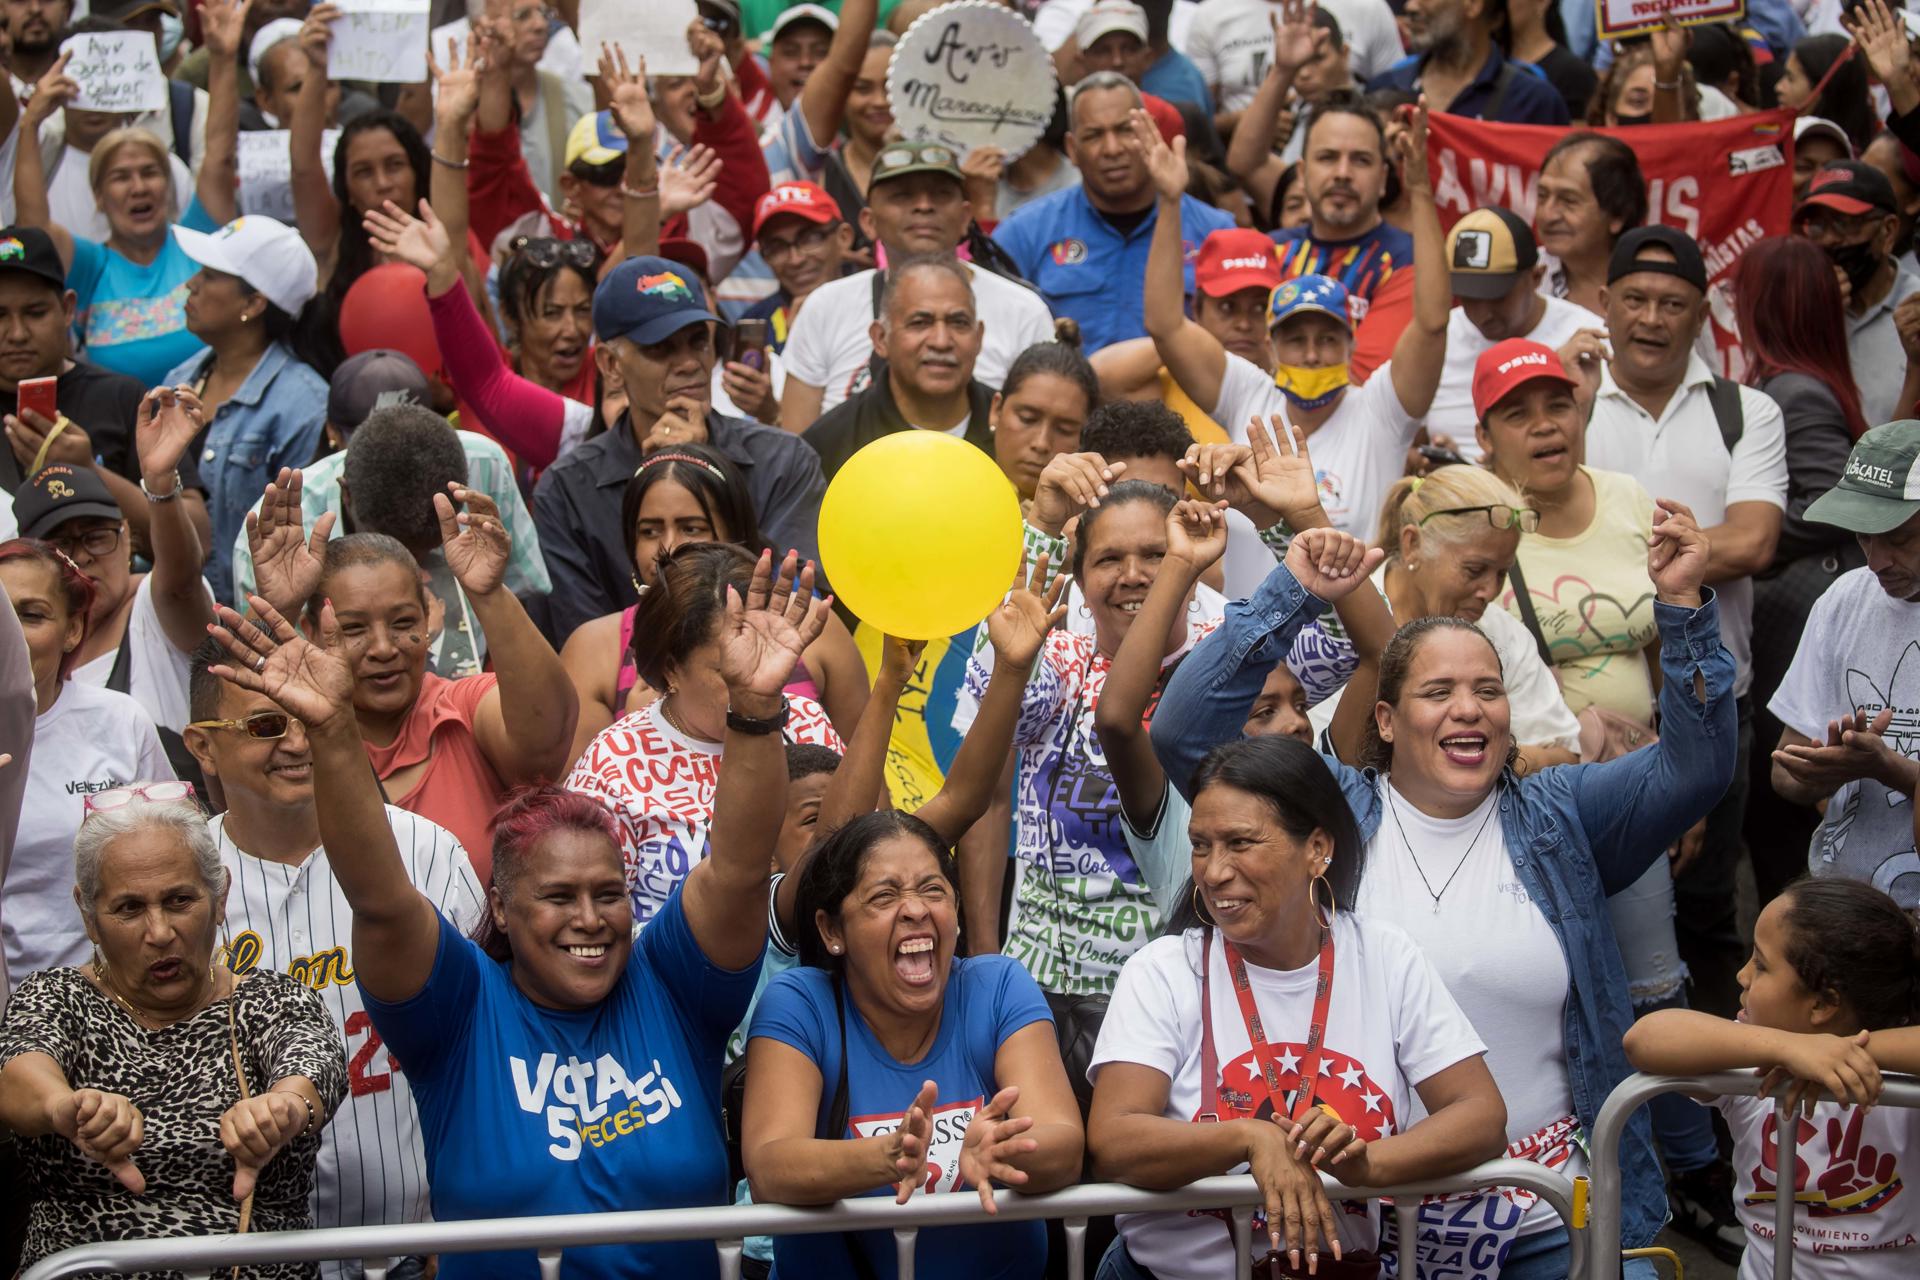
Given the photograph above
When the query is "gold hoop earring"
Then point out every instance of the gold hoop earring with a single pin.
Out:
(1201, 911)
(1331, 909)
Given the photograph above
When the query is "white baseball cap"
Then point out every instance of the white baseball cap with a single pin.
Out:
(270, 256)
(1107, 16)
(268, 36)
(809, 12)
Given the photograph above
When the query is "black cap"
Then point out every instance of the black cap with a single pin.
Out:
(373, 380)
(1687, 263)
(31, 250)
(1851, 187)
(57, 493)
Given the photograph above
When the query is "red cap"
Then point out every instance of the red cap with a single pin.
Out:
(801, 199)
(1235, 259)
(1507, 365)
(1165, 117)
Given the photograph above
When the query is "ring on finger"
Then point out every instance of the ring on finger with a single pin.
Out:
(260, 664)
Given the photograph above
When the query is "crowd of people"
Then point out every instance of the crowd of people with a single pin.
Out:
(438, 780)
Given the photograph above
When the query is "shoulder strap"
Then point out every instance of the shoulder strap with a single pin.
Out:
(1209, 1057)
(837, 1128)
(121, 676)
(1728, 412)
(1501, 83)
(1523, 601)
(180, 101)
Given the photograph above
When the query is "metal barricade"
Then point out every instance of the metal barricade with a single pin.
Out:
(1635, 1091)
(728, 1226)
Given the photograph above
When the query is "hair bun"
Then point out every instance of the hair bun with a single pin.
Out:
(1066, 329)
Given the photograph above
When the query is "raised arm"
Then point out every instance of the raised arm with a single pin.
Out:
(315, 210)
(1195, 357)
(1421, 353)
(762, 638)
(314, 681)
(1250, 156)
(457, 95)
(30, 204)
(168, 420)
(286, 561)
(525, 724)
(823, 101)
(222, 23)
(632, 108)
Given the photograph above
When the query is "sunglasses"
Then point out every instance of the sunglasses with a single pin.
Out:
(1499, 515)
(262, 726)
(151, 793)
(545, 252)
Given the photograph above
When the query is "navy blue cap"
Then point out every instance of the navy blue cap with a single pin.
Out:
(648, 300)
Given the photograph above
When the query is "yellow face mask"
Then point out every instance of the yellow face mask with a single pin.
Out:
(1310, 388)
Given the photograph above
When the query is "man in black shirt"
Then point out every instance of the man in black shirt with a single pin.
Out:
(98, 407)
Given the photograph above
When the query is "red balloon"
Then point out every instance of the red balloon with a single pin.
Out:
(387, 307)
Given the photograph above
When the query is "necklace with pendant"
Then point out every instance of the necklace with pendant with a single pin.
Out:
(1393, 810)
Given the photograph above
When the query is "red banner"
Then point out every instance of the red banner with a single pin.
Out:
(1726, 183)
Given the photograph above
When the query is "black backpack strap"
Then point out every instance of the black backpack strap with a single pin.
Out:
(1724, 396)
(1523, 603)
(1501, 83)
(180, 101)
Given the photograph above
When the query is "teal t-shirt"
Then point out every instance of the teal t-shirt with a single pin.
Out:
(133, 318)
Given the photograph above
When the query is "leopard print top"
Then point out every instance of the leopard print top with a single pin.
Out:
(181, 1077)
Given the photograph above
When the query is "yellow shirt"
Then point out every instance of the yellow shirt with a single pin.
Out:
(1203, 428)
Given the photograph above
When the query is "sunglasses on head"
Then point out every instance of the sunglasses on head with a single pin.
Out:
(261, 725)
(546, 252)
(151, 793)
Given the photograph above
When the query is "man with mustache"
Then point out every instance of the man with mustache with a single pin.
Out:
(34, 27)
(1458, 64)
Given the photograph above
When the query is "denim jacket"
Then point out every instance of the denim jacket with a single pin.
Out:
(274, 420)
(1576, 833)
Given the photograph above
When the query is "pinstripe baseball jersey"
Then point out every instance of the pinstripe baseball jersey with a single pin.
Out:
(295, 919)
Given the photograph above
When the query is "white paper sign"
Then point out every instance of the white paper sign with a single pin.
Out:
(1617, 18)
(380, 41)
(972, 74)
(116, 71)
(653, 29)
(266, 171)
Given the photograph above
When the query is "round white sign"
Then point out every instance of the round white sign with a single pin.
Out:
(972, 74)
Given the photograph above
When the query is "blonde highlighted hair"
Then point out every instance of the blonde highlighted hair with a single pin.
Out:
(130, 136)
(1414, 498)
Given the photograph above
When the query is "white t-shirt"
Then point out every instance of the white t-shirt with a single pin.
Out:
(1483, 934)
(1358, 452)
(9, 527)
(296, 920)
(830, 345)
(1680, 455)
(1055, 20)
(1853, 656)
(157, 678)
(70, 195)
(1390, 1025)
(1231, 42)
(1452, 410)
(1852, 1222)
(89, 740)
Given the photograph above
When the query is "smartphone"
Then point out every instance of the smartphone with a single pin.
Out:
(1441, 457)
(39, 394)
(750, 338)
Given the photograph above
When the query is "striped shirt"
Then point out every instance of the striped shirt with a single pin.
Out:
(372, 1169)
(1363, 264)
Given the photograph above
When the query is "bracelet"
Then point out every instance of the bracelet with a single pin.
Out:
(451, 164)
(1666, 84)
(648, 193)
(171, 496)
(757, 727)
(709, 103)
(304, 1101)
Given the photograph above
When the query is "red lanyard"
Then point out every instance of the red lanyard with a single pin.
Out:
(1316, 1029)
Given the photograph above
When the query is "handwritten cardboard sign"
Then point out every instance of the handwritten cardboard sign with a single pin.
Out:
(1616, 18)
(116, 71)
(972, 74)
(266, 171)
(380, 41)
(654, 29)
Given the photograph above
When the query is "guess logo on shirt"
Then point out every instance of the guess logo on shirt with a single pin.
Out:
(943, 1148)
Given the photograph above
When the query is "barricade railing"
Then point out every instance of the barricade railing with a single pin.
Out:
(1635, 1092)
(727, 1226)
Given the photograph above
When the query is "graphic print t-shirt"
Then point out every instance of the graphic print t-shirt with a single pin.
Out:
(1857, 1219)
(1390, 1025)
(1860, 652)
(528, 1110)
(987, 999)
(659, 783)
(1081, 906)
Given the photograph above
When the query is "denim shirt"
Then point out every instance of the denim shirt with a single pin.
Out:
(274, 420)
(1575, 833)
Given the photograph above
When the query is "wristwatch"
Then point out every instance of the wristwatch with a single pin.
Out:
(758, 727)
(162, 497)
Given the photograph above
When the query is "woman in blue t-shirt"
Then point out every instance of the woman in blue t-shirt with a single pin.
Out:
(558, 1066)
(887, 1064)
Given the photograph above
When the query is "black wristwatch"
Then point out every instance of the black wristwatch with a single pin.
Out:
(757, 727)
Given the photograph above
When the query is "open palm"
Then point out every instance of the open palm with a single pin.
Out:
(1020, 625)
(626, 89)
(286, 562)
(762, 637)
(474, 541)
(312, 682)
(1275, 481)
(421, 242)
(166, 423)
(222, 23)
(457, 85)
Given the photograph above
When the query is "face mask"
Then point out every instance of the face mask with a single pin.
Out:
(1622, 121)
(1857, 261)
(171, 30)
(1310, 388)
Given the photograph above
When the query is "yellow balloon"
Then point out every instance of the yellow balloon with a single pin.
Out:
(920, 534)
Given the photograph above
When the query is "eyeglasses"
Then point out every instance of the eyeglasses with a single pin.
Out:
(262, 726)
(96, 543)
(1820, 225)
(805, 242)
(151, 793)
(1499, 515)
(545, 252)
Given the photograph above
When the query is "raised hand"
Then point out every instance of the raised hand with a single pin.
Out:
(474, 541)
(994, 1138)
(53, 91)
(1676, 554)
(899, 659)
(1276, 481)
(710, 50)
(1166, 165)
(1331, 564)
(906, 1150)
(626, 89)
(106, 1127)
(456, 86)
(1583, 356)
(1670, 42)
(1410, 148)
(689, 179)
(222, 23)
(1019, 627)
(1069, 484)
(286, 562)
(1294, 38)
(311, 682)
(762, 638)
(166, 423)
(422, 242)
(1882, 37)
(1197, 533)
(316, 35)
(254, 1129)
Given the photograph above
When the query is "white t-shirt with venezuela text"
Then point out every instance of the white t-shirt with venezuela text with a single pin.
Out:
(659, 783)
(1390, 1025)
(1852, 1221)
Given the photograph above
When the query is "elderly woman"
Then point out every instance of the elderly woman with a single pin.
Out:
(159, 1095)
(888, 1064)
(559, 1062)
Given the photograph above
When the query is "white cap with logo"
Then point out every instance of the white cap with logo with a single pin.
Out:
(269, 256)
